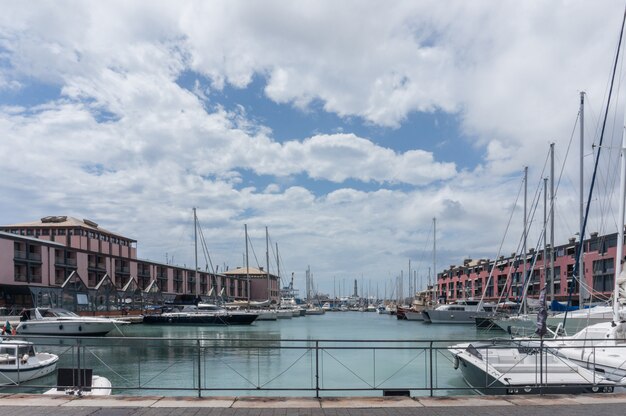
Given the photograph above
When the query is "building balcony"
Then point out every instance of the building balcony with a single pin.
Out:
(59, 261)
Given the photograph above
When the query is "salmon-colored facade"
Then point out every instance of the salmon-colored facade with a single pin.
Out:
(507, 281)
(38, 258)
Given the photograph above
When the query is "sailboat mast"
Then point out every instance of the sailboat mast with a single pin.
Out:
(245, 227)
(434, 261)
(525, 234)
(267, 261)
(551, 222)
(582, 283)
(545, 232)
(619, 251)
(195, 243)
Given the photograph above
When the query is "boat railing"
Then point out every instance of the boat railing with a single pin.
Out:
(228, 365)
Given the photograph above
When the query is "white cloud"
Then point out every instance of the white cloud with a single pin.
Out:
(510, 71)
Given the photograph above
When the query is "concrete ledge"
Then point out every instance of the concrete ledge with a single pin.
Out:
(184, 402)
(368, 402)
(33, 400)
(464, 401)
(242, 403)
(276, 403)
(113, 401)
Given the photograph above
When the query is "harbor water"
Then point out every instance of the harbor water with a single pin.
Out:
(336, 354)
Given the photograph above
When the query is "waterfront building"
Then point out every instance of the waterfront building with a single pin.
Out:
(261, 283)
(61, 261)
(507, 283)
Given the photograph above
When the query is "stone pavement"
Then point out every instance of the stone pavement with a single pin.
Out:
(552, 405)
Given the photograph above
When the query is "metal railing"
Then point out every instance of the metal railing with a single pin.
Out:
(225, 364)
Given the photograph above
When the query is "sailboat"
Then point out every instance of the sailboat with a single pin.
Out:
(602, 346)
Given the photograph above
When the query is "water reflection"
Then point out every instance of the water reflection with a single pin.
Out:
(268, 354)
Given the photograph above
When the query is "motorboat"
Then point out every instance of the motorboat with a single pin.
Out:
(315, 310)
(460, 312)
(20, 362)
(70, 384)
(493, 368)
(199, 315)
(599, 347)
(57, 321)
(266, 315)
(577, 320)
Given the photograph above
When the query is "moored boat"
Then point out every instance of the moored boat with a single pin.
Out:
(504, 369)
(20, 362)
(56, 321)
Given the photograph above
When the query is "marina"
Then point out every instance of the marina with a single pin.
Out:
(312, 356)
(416, 169)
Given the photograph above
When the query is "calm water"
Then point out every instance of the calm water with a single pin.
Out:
(272, 354)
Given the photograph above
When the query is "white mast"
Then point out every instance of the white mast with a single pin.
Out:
(619, 252)
(525, 235)
(195, 243)
(245, 226)
(545, 232)
(434, 261)
(267, 262)
(582, 283)
(551, 221)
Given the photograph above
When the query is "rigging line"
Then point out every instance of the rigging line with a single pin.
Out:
(205, 248)
(420, 260)
(595, 169)
(253, 252)
(519, 192)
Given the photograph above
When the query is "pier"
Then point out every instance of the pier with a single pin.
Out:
(562, 405)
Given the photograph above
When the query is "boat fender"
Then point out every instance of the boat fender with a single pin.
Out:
(80, 328)
(60, 327)
(456, 362)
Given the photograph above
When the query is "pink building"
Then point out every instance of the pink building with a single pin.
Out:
(67, 262)
(507, 283)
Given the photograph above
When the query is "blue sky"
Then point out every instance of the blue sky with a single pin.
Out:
(345, 142)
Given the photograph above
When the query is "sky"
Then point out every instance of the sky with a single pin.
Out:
(342, 127)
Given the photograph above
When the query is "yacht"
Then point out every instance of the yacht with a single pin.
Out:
(509, 369)
(56, 321)
(460, 312)
(202, 315)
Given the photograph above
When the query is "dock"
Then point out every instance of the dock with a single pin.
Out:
(552, 405)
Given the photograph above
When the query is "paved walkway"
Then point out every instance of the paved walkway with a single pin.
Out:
(561, 405)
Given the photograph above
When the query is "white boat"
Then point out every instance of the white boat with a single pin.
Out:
(315, 310)
(576, 320)
(460, 312)
(20, 362)
(284, 314)
(56, 321)
(501, 369)
(267, 315)
(90, 385)
(602, 346)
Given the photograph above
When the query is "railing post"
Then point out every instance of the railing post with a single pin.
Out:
(199, 370)
(80, 384)
(317, 369)
(431, 369)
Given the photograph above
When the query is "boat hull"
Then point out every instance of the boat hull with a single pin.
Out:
(200, 319)
(454, 317)
(484, 383)
(11, 374)
(65, 328)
